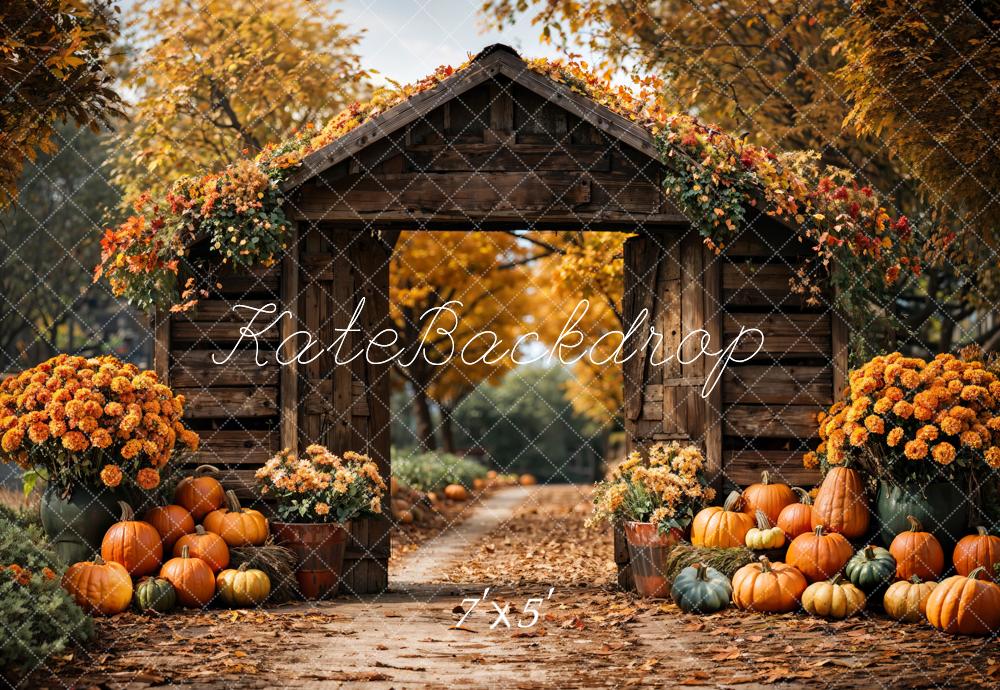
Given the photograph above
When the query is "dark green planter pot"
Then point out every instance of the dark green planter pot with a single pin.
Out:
(942, 508)
(76, 525)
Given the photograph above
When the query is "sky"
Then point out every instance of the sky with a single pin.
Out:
(405, 40)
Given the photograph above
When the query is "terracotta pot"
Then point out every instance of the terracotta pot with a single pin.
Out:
(319, 549)
(648, 551)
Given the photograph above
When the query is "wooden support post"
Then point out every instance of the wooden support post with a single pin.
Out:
(161, 346)
(289, 377)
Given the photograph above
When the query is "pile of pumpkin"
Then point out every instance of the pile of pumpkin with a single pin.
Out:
(823, 572)
(410, 505)
(198, 529)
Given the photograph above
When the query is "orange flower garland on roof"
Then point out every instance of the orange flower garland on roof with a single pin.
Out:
(95, 421)
(905, 415)
(714, 175)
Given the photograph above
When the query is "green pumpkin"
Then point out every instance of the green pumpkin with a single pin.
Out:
(871, 568)
(701, 589)
(154, 594)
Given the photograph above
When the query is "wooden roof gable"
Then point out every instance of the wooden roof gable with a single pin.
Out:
(495, 60)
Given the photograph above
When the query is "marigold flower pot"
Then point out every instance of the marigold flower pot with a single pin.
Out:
(648, 551)
(942, 508)
(319, 549)
(75, 524)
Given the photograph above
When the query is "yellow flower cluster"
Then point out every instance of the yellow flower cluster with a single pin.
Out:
(664, 484)
(70, 410)
(941, 410)
(324, 482)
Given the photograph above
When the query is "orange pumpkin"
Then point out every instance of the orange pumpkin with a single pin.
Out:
(977, 550)
(134, 544)
(768, 498)
(456, 492)
(796, 518)
(171, 522)
(191, 577)
(207, 546)
(98, 587)
(237, 525)
(200, 493)
(819, 555)
(965, 605)
(768, 587)
(840, 505)
(917, 553)
(721, 527)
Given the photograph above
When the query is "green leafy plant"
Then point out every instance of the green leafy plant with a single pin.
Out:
(38, 618)
(434, 471)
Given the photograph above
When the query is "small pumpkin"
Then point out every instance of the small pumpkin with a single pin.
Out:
(192, 578)
(99, 587)
(764, 536)
(977, 550)
(796, 518)
(819, 555)
(840, 505)
(917, 553)
(133, 543)
(172, 522)
(834, 598)
(906, 600)
(207, 546)
(456, 492)
(768, 587)
(238, 526)
(154, 594)
(527, 480)
(965, 605)
(767, 497)
(701, 589)
(871, 568)
(242, 586)
(722, 527)
(200, 493)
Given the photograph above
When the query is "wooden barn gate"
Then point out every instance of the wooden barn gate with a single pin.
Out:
(496, 146)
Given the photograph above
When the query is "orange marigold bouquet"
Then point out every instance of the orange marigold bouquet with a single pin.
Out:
(91, 421)
(905, 417)
(319, 486)
(665, 486)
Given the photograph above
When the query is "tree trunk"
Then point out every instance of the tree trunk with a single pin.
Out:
(425, 423)
(447, 429)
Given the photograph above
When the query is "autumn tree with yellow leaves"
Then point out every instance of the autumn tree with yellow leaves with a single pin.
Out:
(220, 79)
(54, 58)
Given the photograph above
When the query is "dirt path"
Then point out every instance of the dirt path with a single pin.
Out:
(588, 634)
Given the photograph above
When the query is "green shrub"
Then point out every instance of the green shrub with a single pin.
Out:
(434, 471)
(37, 616)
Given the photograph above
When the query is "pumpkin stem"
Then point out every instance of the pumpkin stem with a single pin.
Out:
(765, 564)
(127, 513)
(915, 525)
(804, 497)
(732, 501)
(185, 551)
(870, 553)
(233, 502)
(974, 575)
(982, 531)
(765, 477)
(916, 580)
(243, 567)
(818, 531)
(762, 521)
(200, 531)
(201, 470)
(98, 560)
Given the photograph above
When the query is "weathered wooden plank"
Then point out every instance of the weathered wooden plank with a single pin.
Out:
(761, 285)
(693, 318)
(243, 447)
(161, 346)
(230, 403)
(229, 281)
(777, 421)
(642, 264)
(490, 158)
(713, 401)
(219, 322)
(319, 399)
(743, 467)
(778, 385)
(767, 238)
(840, 341)
(288, 391)
(501, 107)
(784, 334)
(198, 368)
